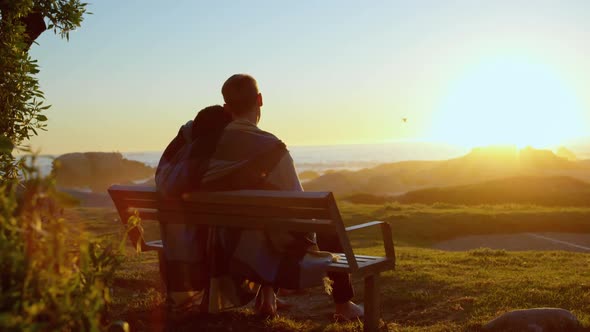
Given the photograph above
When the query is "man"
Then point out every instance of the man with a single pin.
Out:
(248, 158)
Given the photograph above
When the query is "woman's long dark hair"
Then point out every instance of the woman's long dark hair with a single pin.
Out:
(207, 127)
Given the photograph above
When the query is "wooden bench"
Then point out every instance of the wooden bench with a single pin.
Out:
(266, 210)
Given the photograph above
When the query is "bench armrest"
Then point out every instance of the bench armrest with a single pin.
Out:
(365, 225)
(385, 232)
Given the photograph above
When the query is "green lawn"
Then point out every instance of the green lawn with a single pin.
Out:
(422, 225)
(431, 290)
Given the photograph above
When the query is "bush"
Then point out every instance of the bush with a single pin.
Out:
(53, 278)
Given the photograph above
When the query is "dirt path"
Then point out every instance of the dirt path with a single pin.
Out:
(520, 242)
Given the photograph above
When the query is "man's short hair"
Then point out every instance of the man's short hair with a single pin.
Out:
(240, 93)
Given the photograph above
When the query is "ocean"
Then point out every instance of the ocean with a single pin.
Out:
(337, 157)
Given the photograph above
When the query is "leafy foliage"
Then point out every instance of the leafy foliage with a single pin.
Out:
(21, 100)
(53, 278)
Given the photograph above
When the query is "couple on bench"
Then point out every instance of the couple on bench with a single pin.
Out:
(223, 149)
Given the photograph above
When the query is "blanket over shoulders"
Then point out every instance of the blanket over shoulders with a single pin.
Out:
(218, 268)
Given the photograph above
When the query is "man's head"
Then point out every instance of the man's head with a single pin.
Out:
(241, 96)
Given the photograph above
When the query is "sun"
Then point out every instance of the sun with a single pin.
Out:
(509, 101)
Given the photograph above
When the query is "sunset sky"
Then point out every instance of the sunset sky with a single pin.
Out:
(331, 72)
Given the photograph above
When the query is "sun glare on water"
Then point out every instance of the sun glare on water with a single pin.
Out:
(509, 102)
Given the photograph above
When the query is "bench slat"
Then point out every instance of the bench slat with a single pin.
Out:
(375, 265)
(239, 197)
(359, 260)
(133, 192)
(236, 196)
(141, 203)
(340, 263)
(156, 243)
(359, 257)
(244, 210)
(152, 214)
(364, 256)
(288, 224)
(262, 198)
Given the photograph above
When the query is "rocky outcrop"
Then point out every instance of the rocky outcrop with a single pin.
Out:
(308, 175)
(535, 320)
(565, 153)
(546, 159)
(98, 170)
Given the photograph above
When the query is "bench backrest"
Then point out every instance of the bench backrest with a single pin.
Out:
(252, 209)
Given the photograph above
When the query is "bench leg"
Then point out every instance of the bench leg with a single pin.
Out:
(372, 303)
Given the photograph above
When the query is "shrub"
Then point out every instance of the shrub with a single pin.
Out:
(53, 278)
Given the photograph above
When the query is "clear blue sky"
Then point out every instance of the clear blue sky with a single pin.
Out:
(331, 72)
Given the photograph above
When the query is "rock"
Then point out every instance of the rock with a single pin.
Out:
(98, 170)
(535, 320)
(564, 152)
(543, 159)
(308, 175)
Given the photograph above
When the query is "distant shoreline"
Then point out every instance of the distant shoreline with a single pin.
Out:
(326, 157)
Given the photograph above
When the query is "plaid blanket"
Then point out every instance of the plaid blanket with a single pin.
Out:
(221, 268)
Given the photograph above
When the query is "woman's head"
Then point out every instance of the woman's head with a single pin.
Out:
(210, 121)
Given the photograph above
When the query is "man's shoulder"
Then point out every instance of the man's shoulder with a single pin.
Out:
(246, 127)
(270, 135)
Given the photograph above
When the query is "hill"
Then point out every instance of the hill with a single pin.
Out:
(97, 170)
(548, 191)
(480, 165)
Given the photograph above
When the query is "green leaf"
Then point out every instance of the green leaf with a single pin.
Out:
(6, 145)
(41, 118)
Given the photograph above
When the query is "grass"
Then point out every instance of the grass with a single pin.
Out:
(437, 290)
(431, 290)
(423, 225)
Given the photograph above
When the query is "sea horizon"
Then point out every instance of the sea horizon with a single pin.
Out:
(321, 158)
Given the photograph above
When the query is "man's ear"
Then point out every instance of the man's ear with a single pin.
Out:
(259, 100)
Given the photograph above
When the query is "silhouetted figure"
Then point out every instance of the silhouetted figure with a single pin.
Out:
(213, 154)
(241, 141)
